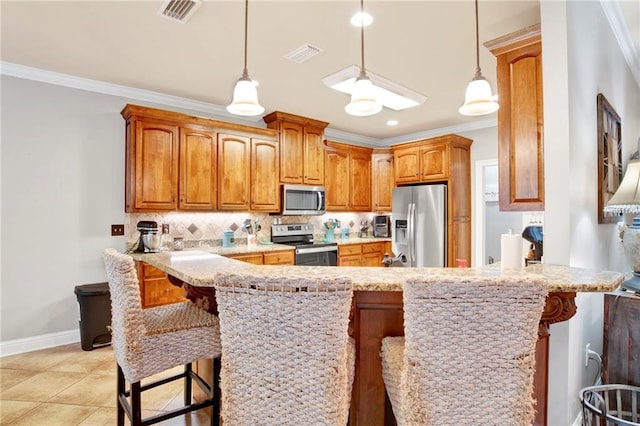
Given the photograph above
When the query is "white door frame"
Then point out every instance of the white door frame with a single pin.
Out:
(480, 211)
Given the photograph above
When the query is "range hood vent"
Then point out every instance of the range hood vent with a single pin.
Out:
(179, 10)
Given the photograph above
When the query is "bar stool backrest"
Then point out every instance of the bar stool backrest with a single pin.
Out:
(285, 348)
(470, 349)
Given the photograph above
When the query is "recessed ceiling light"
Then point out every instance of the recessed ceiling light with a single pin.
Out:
(392, 122)
(361, 19)
(390, 94)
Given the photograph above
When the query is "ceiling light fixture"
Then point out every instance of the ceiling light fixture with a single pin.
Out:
(478, 99)
(361, 19)
(363, 101)
(245, 94)
(390, 94)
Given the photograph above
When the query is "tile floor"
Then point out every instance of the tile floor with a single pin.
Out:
(68, 386)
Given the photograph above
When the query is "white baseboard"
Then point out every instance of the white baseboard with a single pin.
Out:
(28, 344)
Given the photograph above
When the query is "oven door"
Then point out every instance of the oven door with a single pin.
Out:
(317, 256)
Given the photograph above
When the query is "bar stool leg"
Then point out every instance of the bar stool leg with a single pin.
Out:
(120, 391)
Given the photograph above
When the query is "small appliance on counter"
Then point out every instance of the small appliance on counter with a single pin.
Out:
(150, 237)
(533, 234)
(382, 226)
(364, 228)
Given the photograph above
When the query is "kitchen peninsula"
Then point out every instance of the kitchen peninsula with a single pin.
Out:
(378, 304)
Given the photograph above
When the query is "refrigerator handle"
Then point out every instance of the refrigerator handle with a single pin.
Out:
(411, 226)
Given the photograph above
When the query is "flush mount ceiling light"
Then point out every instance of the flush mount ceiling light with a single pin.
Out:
(363, 97)
(389, 94)
(245, 95)
(478, 99)
(361, 19)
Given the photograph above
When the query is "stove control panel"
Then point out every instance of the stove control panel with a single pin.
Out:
(292, 229)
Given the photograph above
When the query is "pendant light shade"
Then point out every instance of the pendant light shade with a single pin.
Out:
(363, 98)
(478, 99)
(245, 98)
(245, 95)
(363, 101)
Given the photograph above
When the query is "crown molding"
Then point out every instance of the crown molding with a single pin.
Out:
(613, 12)
(458, 128)
(75, 82)
(213, 110)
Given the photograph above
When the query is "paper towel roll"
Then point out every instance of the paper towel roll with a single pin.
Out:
(511, 251)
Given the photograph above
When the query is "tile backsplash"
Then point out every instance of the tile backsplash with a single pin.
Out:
(195, 228)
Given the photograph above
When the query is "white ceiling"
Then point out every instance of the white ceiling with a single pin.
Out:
(428, 46)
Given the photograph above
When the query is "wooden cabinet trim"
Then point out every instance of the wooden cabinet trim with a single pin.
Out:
(135, 112)
(285, 116)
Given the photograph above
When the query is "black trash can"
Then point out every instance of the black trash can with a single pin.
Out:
(95, 314)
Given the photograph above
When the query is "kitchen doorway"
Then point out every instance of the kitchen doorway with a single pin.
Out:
(489, 222)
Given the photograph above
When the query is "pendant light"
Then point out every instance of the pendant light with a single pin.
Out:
(363, 99)
(478, 99)
(245, 95)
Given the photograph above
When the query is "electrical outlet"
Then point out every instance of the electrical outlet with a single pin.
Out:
(586, 354)
(117, 230)
(165, 228)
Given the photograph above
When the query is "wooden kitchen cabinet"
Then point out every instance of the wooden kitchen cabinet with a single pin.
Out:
(382, 182)
(176, 161)
(233, 172)
(282, 257)
(151, 181)
(279, 258)
(301, 147)
(621, 343)
(373, 253)
(155, 288)
(265, 188)
(198, 186)
(347, 177)
(420, 164)
(443, 159)
(363, 254)
(520, 120)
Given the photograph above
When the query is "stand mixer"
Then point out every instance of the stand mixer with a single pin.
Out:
(150, 238)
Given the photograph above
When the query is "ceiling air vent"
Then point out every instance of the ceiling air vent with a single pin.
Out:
(303, 53)
(179, 10)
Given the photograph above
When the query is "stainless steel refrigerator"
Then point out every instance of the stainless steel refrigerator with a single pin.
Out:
(419, 223)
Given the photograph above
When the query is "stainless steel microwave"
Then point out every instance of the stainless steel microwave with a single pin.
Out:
(299, 200)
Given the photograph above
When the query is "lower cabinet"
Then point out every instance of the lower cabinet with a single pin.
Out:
(155, 288)
(364, 254)
(284, 257)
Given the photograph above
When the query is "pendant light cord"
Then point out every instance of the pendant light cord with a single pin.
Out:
(245, 72)
(362, 69)
(478, 72)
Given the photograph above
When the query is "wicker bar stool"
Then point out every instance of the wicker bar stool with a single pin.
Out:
(288, 359)
(149, 341)
(467, 357)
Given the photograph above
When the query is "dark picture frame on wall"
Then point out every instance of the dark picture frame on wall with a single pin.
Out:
(609, 156)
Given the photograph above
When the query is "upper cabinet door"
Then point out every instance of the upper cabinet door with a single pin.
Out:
(520, 120)
(407, 165)
(233, 172)
(382, 183)
(313, 156)
(291, 150)
(337, 179)
(154, 155)
(433, 162)
(265, 188)
(198, 171)
(360, 181)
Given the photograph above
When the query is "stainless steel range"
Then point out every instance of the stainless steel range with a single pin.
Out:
(308, 253)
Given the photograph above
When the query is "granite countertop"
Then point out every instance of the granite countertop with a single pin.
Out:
(199, 268)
